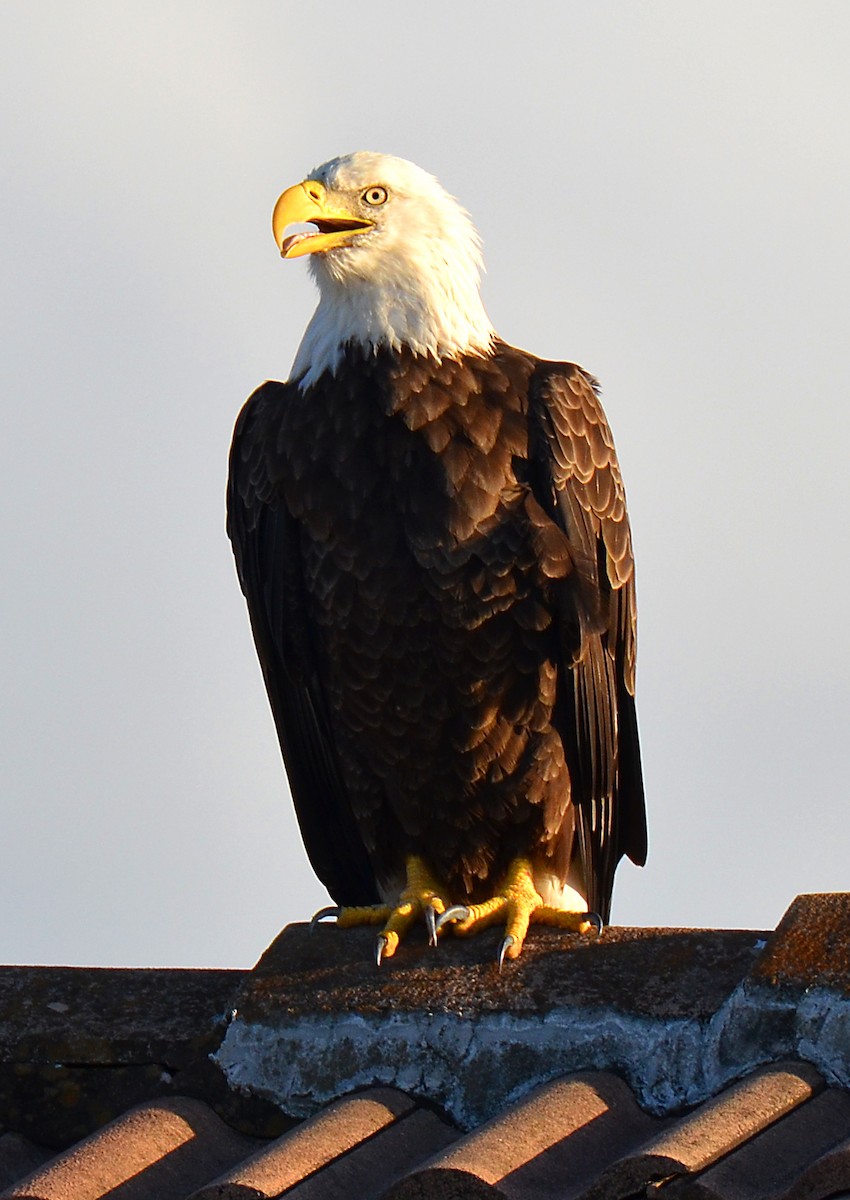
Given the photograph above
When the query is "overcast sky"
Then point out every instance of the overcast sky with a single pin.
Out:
(663, 190)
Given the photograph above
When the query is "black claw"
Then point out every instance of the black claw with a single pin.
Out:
(457, 912)
(380, 947)
(596, 920)
(332, 911)
(431, 924)
(503, 949)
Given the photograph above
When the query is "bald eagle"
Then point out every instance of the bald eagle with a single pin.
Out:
(430, 531)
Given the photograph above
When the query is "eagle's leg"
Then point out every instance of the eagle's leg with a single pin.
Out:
(421, 896)
(519, 904)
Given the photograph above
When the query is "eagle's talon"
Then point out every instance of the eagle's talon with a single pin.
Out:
(593, 918)
(431, 924)
(381, 943)
(332, 910)
(455, 912)
(505, 946)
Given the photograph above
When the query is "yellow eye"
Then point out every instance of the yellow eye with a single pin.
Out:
(375, 196)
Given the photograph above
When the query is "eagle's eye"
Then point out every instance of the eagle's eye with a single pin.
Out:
(375, 196)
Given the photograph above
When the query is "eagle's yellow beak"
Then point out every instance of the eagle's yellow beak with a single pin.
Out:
(308, 202)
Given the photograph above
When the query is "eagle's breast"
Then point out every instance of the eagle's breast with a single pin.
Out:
(423, 578)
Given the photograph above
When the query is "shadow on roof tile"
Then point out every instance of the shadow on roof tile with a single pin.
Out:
(713, 1130)
(555, 1141)
(159, 1151)
(313, 1145)
(805, 1156)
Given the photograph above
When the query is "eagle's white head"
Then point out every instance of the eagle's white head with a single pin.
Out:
(396, 259)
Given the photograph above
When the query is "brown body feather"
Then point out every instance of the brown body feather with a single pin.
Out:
(438, 567)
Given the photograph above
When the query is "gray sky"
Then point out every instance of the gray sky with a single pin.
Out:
(663, 190)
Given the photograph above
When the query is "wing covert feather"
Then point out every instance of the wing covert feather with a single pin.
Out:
(577, 478)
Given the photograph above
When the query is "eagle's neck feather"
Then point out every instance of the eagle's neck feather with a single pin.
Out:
(431, 307)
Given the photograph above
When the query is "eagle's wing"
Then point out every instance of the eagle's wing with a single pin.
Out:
(266, 546)
(576, 478)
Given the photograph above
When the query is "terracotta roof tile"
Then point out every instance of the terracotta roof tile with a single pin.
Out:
(313, 1145)
(803, 1156)
(449, 1184)
(714, 1129)
(367, 1172)
(772, 1136)
(163, 1150)
(566, 1130)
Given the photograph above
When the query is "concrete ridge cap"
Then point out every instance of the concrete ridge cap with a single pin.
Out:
(302, 1064)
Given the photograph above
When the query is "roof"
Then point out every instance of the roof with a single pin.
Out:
(778, 1133)
(200, 1109)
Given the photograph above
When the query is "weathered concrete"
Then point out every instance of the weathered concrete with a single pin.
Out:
(316, 1018)
(110, 1017)
(677, 1013)
(669, 973)
(796, 999)
(80, 1045)
(810, 949)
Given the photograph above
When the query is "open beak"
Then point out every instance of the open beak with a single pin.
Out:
(307, 202)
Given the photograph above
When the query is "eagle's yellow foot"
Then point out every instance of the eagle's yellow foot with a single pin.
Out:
(519, 904)
(421, 896)
(348, 918)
